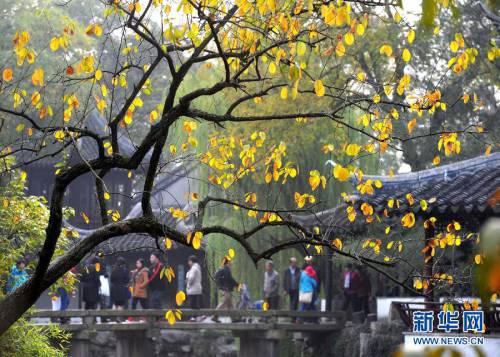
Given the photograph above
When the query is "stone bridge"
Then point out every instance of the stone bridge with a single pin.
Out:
(260, 332)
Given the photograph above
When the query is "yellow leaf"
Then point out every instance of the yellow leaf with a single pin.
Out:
(180, 297)
(349, 39)
(397, 17)
(411, 36)
(97, 267)
(37, 77)
(85, 217)
(265, 306)
(360, 29)
(301, 48)
(376, 98)
(284, 93)
(411, 125)
(406, 56)
(417, 284)
(54, 44)
(168, 243)
(197, 240)
(106, 196)
(230, 253)
(478, 259)
(272, 68)
(340, 173)
(386, 49)
(337, 243)
(319, 88)
(35, 97)
(20, 127)
(352, 149)
(340, 49)
(423, 205)
(7, 75)
(454, 46)
(59, 135)
(408, 220)
(170, 317)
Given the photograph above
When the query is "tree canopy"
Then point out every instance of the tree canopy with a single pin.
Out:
(351, 80)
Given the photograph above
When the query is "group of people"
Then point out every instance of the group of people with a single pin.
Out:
(145, 285)
(302, 286)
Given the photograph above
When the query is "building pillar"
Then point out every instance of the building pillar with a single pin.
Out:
(329, 282)
(428, 263)
(133, 343)
(260, 343)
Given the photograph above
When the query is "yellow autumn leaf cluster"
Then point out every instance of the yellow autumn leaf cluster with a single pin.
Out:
(340, 173)
(194, 238)
(302, 199)
(315, 179)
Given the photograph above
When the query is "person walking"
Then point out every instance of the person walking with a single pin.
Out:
(90, 284)
(18, 276)
(104, 292)
(350, 288)
(155, 284)
(193, 283)
(120, 293)
(364, 289)
(226, 284)
(271, 286)
(308, 286)
(291, 279)
(140, 277)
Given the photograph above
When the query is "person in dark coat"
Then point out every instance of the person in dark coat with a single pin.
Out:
(291, 278)
(120, 293)
(226, 284)
(155, 282)
(365, 289)
(90, 284)
(350, 286)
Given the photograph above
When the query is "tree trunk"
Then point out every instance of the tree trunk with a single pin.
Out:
(14, 305)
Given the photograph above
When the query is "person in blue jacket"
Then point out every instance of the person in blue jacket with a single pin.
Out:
(308, 286)
(18, 276)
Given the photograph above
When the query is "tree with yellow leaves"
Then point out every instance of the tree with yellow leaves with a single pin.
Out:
(294, 51)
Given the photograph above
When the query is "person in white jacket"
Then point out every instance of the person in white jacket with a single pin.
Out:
(193, 283)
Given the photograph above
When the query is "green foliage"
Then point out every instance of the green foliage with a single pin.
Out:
(23, 220)
(24, 339)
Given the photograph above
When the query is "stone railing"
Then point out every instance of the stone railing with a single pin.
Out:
(259, 331)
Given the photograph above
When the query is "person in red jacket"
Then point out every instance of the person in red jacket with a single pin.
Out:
(350, 286)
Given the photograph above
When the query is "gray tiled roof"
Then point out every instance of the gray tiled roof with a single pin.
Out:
(463, 187)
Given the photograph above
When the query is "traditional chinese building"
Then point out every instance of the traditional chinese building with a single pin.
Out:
(467, 192)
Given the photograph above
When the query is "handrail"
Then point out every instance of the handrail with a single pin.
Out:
(188, 313)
